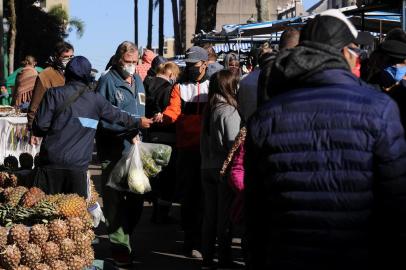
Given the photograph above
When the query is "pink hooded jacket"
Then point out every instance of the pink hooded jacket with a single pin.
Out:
(143, 68)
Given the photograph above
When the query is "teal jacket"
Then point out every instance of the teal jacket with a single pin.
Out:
(112, 139)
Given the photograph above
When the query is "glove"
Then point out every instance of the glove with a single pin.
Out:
(97, 214)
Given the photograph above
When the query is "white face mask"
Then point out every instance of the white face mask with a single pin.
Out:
(130, 68)
(65, 62)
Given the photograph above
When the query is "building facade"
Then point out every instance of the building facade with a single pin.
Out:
(48, 4)
(228, 12)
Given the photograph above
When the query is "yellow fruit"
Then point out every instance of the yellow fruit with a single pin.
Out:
(31, 255)
(58, 230)
(72, 205)
(10, 257)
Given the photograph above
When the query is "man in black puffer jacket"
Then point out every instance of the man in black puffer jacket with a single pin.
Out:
(325, 162)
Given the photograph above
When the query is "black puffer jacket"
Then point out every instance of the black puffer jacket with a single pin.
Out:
(325, 170)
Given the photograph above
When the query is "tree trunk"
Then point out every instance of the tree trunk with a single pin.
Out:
(136, 22)
(13, 35)
(161, 27)
(176, 28)
(258, 4)
(206, 15)
(150, 15)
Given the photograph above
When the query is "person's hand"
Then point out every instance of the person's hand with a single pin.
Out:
(145, 122)
(136, 139)
(158, 118)
(97, 214)
(34, 140)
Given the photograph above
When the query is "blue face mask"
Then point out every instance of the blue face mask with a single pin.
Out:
(397, 73)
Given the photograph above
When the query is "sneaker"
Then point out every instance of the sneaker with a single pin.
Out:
(193, 253)
(229, 265)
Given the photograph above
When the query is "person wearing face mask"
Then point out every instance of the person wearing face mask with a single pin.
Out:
(158, 91)
(52, 76)
(123, 88)
(186, 105)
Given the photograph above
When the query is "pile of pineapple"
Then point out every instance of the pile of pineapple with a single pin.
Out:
(42, 231)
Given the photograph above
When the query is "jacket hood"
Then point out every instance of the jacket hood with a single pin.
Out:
(148, 56)
(295, 67)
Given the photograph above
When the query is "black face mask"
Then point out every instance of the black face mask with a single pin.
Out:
(193, 73)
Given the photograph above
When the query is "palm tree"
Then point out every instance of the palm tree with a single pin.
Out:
(161, 27)
(258, 4)
(68, 23)
(150, 16)
(136, 21)
(206, 15)
(160, 4)
(13, 35)
(176, 28)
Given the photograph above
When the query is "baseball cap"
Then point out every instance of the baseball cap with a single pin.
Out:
(196, 54)
(79, 68)
(330, 27)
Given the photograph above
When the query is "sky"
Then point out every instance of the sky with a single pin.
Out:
(110, 22)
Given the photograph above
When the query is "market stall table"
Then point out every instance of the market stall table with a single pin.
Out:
(14, 137)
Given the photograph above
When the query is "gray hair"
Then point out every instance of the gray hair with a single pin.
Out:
(123, 48)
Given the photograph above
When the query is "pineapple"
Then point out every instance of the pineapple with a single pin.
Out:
(10, 257)
(3, 178)
(75, 225)
(15, 196)
(88, 256)
(50, 252)
(67, 248)
(41, 266)
(82, 242)
(11, 181)
(94, 195)
(88, 222)
(72, 205)
(3, 237)
(6, 193)
(53, 198)
(31, 197)
(22, 267)
(39, 234)
(90, 234)
(19, 235)
(59, 265)
(45, 210)
(76, 263)
(31, 255)
(58, 230)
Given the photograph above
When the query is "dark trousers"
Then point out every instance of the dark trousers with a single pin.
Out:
(218, 198)
(54, 181)
(122, 211)
(189, 186)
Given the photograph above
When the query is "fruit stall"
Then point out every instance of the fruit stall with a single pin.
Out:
(41, 232)
(14, 135)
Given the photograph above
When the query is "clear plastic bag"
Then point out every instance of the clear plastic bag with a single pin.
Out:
(154, 157)
(128, 174)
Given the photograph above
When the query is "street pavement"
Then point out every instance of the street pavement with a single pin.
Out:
(156, 246)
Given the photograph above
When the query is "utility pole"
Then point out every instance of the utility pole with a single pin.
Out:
(1, 43)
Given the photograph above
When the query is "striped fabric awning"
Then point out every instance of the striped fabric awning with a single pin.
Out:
(243, 47)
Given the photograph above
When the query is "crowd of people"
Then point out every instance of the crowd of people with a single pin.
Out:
(305, 154)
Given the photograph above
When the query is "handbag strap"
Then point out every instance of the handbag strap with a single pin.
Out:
(69, 101)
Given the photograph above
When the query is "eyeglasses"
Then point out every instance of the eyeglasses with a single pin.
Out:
(68, 57)
(355, 51)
